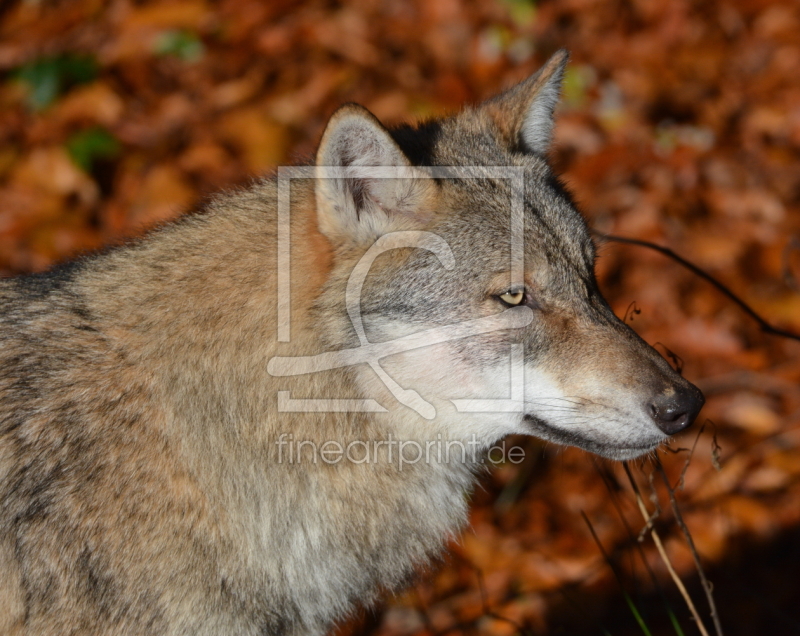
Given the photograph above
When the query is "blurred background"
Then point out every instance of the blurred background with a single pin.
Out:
(680, 124)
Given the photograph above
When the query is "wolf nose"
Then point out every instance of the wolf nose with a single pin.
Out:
(674, 411)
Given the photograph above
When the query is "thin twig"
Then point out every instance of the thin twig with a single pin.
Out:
(639, 547)
(631, 311)
(765, 326)
(487, 610)
(663, 553)
(707, 587)
(682, 480)
(631, 605)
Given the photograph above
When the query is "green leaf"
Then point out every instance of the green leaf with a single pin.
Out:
(88, 146)
(636, 614)
(522, 12)
(577, 82)
(184, 45)
(675, 624)
(49, 77)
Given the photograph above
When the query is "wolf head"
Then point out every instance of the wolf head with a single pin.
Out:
(496, 233)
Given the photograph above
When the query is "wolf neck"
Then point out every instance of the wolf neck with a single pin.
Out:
(193, 307)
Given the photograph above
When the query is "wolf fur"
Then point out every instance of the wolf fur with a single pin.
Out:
(143, 488)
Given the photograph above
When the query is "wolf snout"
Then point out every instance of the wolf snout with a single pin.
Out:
(676, 408)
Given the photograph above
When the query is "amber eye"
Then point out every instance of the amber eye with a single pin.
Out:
(512, 299)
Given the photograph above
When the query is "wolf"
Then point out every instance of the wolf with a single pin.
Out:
(242, 423)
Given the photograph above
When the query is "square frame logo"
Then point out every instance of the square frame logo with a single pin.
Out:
(371, 353)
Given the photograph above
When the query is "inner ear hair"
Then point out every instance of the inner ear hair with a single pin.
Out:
(355, 207)
(524, 113)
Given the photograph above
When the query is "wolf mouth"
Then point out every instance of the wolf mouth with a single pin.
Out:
(540, 428)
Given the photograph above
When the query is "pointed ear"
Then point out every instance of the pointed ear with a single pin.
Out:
(365, 184)
(524, 113)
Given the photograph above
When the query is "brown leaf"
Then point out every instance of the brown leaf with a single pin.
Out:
(262, 142)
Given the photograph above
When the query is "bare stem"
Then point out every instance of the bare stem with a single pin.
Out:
(707, 587)
(765, 326)
(663, 553)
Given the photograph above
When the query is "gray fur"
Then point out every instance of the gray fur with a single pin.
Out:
(142, 487)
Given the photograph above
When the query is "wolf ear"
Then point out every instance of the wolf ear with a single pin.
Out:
(524, 112)
(365, 183)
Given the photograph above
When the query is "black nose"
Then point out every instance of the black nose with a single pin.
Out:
(675, 409)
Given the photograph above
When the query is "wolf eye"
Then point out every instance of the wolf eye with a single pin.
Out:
(512, 299)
